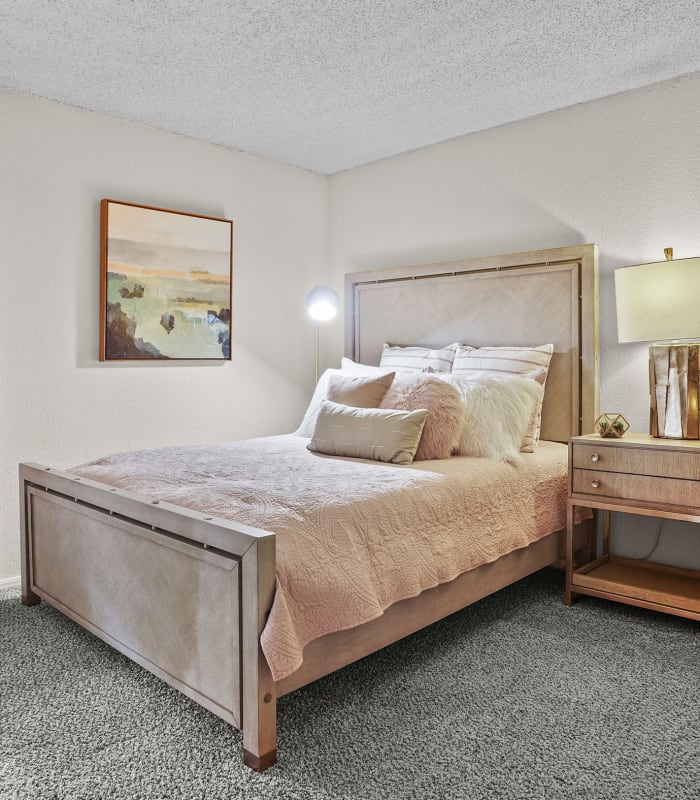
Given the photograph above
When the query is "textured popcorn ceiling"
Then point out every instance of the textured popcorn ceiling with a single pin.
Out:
(330, 85)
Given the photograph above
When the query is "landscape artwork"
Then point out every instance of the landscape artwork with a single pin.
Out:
(166, 284)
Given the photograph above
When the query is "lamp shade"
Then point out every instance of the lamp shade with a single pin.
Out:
(321, 303)
(658, 301)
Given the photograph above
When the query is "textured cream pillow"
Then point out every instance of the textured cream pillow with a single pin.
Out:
(418, 359)
(320, 393)
(497, 412)
(530, 362)
(443, 424)
(379, 434)
(357, 390)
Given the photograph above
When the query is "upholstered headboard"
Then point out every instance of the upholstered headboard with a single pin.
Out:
(519, 299)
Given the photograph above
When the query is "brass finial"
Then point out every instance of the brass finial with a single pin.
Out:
(668, 252)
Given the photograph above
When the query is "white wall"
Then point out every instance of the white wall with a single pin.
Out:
(623, 172)
(58, 404)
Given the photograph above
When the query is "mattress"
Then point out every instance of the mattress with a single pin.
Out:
(353, 537)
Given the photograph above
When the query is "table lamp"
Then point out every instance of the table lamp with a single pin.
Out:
(660, 303)
(321, 304)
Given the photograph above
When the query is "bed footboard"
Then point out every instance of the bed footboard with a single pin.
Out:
(181, 593)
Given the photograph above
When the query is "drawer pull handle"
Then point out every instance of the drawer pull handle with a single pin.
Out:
(595, 484)
(595, 457)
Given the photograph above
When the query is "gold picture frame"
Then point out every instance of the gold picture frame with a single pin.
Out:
(166, 284)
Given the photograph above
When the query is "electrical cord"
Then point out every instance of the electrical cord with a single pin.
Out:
(656, 544)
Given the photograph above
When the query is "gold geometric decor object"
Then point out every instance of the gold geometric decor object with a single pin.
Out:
(612, 426)
(673, 381)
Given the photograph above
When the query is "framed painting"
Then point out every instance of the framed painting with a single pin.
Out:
(166, 284)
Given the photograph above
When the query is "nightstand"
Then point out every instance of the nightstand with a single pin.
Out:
(637, 474)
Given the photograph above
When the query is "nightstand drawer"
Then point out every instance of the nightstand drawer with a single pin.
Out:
(665, 491)
(638, 460)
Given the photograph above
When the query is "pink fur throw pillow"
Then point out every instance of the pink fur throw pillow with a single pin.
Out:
(411, 391)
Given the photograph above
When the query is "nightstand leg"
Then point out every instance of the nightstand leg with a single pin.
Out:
(606, 532)
(569, 595)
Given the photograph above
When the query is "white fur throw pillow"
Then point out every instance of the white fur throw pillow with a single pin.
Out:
(443, 424)
(532, 362)
(497, 411)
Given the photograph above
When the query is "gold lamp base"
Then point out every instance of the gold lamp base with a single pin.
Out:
(673, 382)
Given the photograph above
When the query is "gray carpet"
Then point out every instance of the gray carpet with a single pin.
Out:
(515, 697)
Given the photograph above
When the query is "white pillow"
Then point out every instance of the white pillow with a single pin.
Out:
(307, 424)
(350, 367)
(497, 412)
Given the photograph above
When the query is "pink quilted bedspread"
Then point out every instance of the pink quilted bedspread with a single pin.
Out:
(353, 536)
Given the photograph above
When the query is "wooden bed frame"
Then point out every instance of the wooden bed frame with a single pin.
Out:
(187, 595)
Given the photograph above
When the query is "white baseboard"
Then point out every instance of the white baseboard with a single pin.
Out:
(9, 583)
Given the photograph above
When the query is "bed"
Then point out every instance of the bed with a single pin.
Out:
(187, 592)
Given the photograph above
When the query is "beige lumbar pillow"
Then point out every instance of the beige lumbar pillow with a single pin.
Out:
(379, 434)
(357, 390)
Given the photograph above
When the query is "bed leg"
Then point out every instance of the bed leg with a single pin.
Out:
(28, 596)
(260, 738)
(259, 690)
(259, 763)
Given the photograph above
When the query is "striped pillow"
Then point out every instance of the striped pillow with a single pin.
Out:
(530, 362)
(418, 359)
